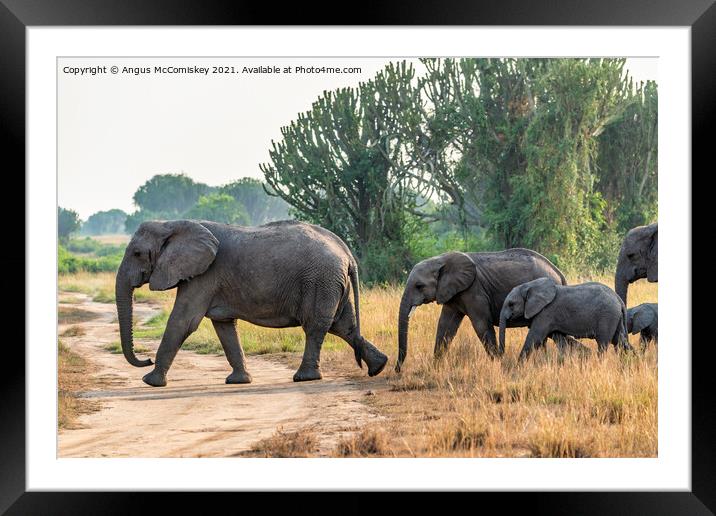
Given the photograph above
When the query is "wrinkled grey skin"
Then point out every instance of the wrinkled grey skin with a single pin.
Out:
(644, 319)
(278, 275)
(638, 258)
(589, 310)
(472, 284)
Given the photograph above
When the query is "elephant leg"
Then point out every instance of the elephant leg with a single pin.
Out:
(448, 325)
(644, 340)
(226, 331)
(620, 340)
(346, 328)
(534, 338)
(561, 342)
(602, 345)
(310, 368)
(542, 346)
(182, 322)
(486, 333)
(568, 343)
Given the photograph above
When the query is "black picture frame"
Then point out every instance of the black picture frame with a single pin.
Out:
(17, 15)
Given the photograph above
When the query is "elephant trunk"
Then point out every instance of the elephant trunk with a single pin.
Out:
(503, 324)
(621, 283)
(406, 308)
(123, 290)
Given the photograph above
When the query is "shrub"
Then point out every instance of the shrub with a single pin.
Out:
(68, 263)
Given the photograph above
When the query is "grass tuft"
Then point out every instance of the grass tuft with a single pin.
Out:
(73, 331)
(116, 348)
(71, 378)
(72, 315)
(301, 443)
(609, 410)
(368, 442)
(551, 443)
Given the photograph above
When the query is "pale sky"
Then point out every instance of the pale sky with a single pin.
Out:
(117, 131)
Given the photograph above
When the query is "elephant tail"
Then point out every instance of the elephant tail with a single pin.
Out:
(561, 276)
(623, 334)
(353, 272)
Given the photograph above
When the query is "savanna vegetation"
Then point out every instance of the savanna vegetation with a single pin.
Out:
(467, 405)
(556, 155)
(463, 405)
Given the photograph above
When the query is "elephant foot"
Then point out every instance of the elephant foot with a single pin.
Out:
(239, 377)
(306, 374)
(155, 379)
(377, 364)
(372, 356)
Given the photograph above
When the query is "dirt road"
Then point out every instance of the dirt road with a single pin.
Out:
(196, 414)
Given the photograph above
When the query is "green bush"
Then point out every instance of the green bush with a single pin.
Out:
(83, 245)
(89, 245)
(68, 263)
(111, 250)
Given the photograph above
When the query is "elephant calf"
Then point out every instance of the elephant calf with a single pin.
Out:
(644, 319)
(589, 310)
(472, 284)
(278, 275)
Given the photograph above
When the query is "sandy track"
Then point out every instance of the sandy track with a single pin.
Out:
(196, 414)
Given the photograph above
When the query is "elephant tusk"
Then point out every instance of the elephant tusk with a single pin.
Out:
(410, 314)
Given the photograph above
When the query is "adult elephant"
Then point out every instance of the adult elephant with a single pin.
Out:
(282, 274)
(472, 284)
(638, 258)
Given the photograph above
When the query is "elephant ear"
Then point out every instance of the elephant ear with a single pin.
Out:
(652, 257)
(643, 318)
(538, 295)
(456, 274)
(187, 251)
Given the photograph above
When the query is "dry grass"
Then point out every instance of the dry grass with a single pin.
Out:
(467, 404)
(71, 378)
(72, 315)
(73, 331)
(112, 239)
(100, 287)
(369, 442)
(301, 443)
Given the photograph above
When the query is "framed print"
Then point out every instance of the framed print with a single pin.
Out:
(388, 256)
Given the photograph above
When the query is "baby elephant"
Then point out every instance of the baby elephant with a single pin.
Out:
(644, 319)
(589, 310)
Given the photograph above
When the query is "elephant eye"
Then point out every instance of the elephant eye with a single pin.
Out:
(419, 286)
(137, 253)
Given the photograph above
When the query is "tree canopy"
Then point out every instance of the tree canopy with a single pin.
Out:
(558, 155)
(169, 194)
(260, 207)
(218, 207)
(342, 165)
(68, 222)
(104, 222)
(174, 196)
